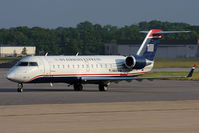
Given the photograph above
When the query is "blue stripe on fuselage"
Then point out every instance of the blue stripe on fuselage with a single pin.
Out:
(69, 80)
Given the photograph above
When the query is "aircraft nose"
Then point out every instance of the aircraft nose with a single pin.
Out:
(10, 76)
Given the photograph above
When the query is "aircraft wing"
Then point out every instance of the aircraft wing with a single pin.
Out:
(138, 78)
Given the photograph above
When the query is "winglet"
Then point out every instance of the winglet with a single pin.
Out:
(191, 72)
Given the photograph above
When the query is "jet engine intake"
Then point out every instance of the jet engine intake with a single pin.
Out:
(135, 62)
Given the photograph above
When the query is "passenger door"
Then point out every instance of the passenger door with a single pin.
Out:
(46, 66)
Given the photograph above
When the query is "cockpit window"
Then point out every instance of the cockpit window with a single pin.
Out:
(23, 64)
(33, 64)
(27, 64)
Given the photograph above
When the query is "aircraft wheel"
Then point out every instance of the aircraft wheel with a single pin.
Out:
(78, 87)
(20, 88)
(103, 87)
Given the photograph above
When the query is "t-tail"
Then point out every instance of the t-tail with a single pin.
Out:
(149, 46)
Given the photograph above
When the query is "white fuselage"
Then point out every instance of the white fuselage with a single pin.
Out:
(67, 68)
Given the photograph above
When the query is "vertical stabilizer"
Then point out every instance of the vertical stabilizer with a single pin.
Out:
(149, 46)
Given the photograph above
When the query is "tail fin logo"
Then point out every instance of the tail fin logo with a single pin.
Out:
(150, 48)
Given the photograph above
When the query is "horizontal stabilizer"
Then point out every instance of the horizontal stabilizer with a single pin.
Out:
(164, 32)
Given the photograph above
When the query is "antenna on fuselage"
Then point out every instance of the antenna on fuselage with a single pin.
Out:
(77, 54)
(46, 54)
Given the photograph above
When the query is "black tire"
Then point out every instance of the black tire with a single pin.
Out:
(78, 87)
(103, 87)
(20, 88)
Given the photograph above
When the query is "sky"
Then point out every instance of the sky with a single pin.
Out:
(69, 13)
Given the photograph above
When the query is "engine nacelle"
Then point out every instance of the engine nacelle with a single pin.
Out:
(135, 62)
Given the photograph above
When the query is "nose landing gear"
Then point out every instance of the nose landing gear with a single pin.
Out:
(20, 87)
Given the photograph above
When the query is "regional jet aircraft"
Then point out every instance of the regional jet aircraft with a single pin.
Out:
(101, 70)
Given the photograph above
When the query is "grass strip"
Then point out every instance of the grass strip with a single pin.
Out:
(8, 59)
(176, 63)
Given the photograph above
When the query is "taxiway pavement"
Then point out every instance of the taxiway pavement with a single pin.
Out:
(157, 90)
(125, 117)
(141, 107)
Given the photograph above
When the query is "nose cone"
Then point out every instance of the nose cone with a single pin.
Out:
(17, 75)
(10, 76)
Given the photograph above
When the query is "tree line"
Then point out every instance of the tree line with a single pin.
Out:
(87, 38)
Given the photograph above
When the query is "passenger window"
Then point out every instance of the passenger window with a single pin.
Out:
(82, 66)
(105, 65)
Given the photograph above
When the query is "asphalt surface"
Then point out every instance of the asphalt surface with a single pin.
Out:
(157, 90)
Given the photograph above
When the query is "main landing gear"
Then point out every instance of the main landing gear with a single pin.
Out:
(103, 87)
(78, 87)
(20, 87)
